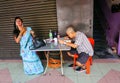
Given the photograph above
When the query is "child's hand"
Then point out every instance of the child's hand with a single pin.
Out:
(61, 41)
(66, 37)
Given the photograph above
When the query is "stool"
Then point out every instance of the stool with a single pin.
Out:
(89, 61)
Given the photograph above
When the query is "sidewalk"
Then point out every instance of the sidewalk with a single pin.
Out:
(11, 71)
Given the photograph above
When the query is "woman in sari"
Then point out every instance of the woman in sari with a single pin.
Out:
(23, 35)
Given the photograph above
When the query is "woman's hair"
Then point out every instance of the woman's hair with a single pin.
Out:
(16, 31)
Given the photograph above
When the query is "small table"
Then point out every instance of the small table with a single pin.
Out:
(53, 47)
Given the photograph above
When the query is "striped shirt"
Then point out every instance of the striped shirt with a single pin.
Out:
(83, 44)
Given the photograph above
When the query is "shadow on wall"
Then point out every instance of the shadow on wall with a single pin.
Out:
(83, 28)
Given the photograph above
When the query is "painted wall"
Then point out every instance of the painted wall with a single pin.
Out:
(113, 20)
(75, 12)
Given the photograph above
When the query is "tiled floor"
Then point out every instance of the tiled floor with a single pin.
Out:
(101, 70)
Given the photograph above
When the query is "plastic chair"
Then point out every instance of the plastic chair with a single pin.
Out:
(89, 61)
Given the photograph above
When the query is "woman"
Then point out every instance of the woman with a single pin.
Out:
(23, 35)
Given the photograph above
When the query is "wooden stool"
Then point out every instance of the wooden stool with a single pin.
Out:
(54, 60)
(54, 63)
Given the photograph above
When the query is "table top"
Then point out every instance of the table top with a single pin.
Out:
(53, 47)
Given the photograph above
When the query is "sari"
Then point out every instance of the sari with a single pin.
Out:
(31, 61)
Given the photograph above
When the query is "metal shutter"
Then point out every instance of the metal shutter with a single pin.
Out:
(38, 14)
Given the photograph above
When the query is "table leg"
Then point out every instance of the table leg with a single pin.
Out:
(61, 58)
(47, 57)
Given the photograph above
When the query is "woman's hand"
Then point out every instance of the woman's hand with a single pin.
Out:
(22, 32)
(33, 33)
(20, 35)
